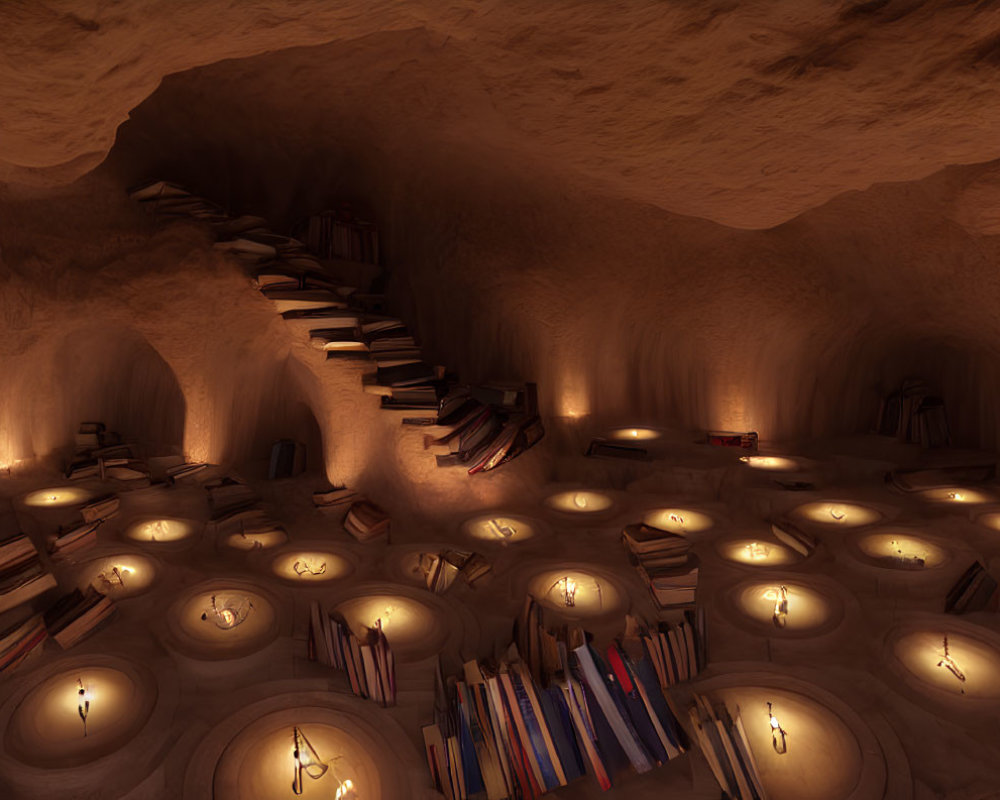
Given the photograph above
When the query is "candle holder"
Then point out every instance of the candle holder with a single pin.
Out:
(949, 663)
(566, 588)
(779, 595)
(230, 613)
(83, 703)
(779, 735)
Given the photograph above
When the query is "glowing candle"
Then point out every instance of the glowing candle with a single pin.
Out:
(160, 530)
(958, 495)
(678, 520)
(228, 612)
(500, 529)
(633, 434)
(772, 463)
(580, 502)
(57, 497)
(949, 663)
(757, 552)
(778, 734)
(847, 515)
(84, 696)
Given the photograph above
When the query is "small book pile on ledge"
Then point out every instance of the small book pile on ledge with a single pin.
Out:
(76, 615)
(723, 741)
(20, 640)
(975, 590)
(370, 665)
(500, 732)
(22, 575)
(665, 562)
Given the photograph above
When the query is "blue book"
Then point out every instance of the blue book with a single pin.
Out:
(470, 763)
(556, 714)
(533, 726)
(644, 671)
(606, 742)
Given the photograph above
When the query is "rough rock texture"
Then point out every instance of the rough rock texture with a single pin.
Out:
(745, 113)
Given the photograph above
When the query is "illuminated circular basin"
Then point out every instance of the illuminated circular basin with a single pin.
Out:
(500, 528)
(120, 576)
(822, 758)
(160, 530)
(678, 520)
(315, 565)
(835, 514)
(633, 434)
(786, 606)
(256, 540)
(47, 728)
(958, 495)
(57, 497)
(580, 502)
(413, 628)
(575, 592)
(965, 667)
(757, 552)
(900, 550)
(336, 750)
(226, 620)
(771, 463)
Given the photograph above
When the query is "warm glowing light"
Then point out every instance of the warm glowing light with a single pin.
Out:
(346, 790)
(499, 529)
(84, 696)
(952, 661)
(633, 434)
(160, 530)
(121, 575)
(678, 520)
(580, 502)
(959, 495)
(773, 463)
(847, 515)
(310, 566)
(228, 610)
(757, 554)
(411, 627)
(115, 577)
(57, 497)
(901, 551)
(576, 593)
(771, 604)
(307, 761)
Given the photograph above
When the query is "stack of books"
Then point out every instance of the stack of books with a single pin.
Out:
(975, 590)
(71, 540)
(101, 510)
(186, 470)
(441, 569)
(369, 664)
(677, 652)
(20, 640)
(384, 340)
(502, 733)
(76, 615)
(335, 500)
(226, 495)
(408, 386)
(665, 562)
(22, 575)
(366, 522)
(724, 744)
(912, 414)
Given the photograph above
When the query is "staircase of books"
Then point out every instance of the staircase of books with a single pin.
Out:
(669, 618)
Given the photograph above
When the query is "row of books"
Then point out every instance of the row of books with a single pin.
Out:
(20, 640)
(677, 651)
(22, 575)
(911, 414)
(361, 518)
(341, 234)
(83, 534)
(723, 741)
(975, 590)
(76, 615)
(369, 664)
(501, 733)
(665, 563)
(441, 570)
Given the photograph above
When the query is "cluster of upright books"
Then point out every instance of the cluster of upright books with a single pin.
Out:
(348, 324)
(20, 640)
(369, 664)
(22, 575)
(975, 590)
(440, 570)
(912, 414)
(76, 615)
(724, 743)
(341, 234)
(677, 651)
(83, 534)
(503, 734)
(102, 454)
(665, 562)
